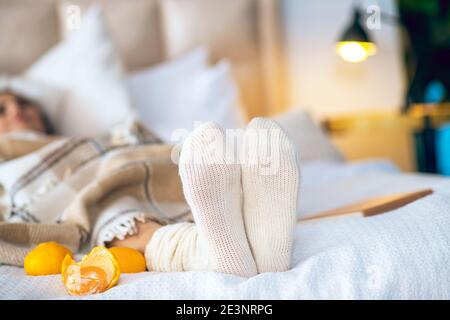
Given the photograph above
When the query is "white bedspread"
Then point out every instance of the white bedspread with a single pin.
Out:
(403, 254)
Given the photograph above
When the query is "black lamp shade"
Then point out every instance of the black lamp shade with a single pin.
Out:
(355, 31)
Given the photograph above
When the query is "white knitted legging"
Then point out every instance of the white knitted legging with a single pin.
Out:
(177, 247)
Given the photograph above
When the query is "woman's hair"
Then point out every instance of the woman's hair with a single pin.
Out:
(48, 127)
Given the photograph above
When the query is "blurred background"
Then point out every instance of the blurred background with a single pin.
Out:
(375, 75)
(389, 103)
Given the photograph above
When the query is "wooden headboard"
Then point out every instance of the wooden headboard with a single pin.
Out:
(147, 32)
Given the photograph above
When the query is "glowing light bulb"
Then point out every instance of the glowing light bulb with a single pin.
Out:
(353, 51)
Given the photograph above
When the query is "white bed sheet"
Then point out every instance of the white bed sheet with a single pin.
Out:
(342, 258)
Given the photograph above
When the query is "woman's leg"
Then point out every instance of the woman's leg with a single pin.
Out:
(212, 186)
(139, 240)
(168, 248)
(213, 190)
(270, 182)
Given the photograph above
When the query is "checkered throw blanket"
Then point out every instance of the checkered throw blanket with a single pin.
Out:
(84, 191)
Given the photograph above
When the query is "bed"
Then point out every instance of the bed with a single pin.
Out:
(336, 258)
(327, 264)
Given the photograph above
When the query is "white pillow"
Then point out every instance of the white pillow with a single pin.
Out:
(180, 93)
(49, 98)
(88, 67)
(167, 73)
(311, 141)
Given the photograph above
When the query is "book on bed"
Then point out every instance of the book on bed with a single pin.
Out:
(370, 207)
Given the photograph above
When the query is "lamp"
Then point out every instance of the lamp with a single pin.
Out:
(355, 45)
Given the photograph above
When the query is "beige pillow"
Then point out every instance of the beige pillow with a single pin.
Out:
(28, 28)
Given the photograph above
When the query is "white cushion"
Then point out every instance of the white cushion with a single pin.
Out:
(164, 75)
(311, 141)
(49, 98)
(88, 67)
(181, 93)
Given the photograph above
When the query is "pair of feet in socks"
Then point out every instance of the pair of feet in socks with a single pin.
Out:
(244, 207)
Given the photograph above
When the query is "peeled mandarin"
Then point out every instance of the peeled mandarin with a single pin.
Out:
(97, 272)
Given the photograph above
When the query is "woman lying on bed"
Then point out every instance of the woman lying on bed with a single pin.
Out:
(230, 216)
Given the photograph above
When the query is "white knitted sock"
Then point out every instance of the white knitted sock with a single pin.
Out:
(212, 188)
(270, 182)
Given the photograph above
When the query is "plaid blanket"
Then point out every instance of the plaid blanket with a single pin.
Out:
(84, 191)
